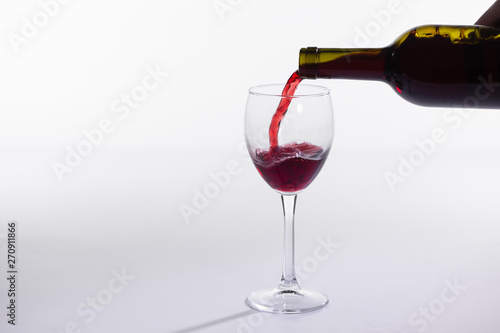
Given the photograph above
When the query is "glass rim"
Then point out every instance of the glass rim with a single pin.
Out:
(323, 91)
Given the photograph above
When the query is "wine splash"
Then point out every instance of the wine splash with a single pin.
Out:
(291, 167)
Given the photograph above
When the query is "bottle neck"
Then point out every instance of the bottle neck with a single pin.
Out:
(360, 64)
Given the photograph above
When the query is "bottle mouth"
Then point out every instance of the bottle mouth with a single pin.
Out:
(308, 59)
(276, 90)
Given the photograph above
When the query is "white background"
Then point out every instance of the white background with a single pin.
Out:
(119, 209)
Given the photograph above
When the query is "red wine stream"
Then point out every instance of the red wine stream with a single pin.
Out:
(288, 91)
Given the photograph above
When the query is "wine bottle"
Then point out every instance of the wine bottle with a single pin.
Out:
(444, 66)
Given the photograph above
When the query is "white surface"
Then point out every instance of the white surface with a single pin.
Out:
(119, 209)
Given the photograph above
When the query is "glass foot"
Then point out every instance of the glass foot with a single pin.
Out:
(280, 300)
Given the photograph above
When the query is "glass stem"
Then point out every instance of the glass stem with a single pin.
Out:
(288, 279)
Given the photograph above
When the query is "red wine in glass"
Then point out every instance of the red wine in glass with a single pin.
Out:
(291, 167)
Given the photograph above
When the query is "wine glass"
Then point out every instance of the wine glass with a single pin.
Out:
(288, 160)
